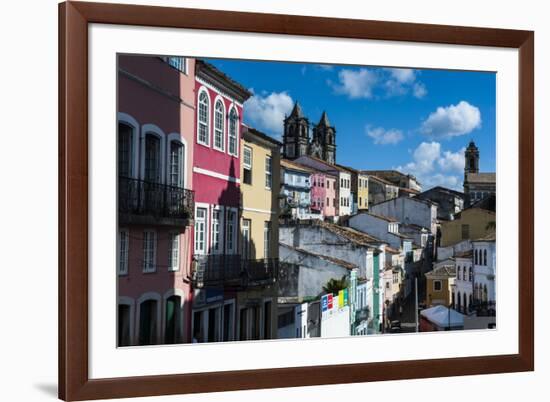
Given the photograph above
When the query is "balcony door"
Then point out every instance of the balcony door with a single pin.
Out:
(148, 323)
(152, 159)
(125, 156)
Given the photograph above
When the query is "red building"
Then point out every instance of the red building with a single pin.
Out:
(216, 177)
(155, 204)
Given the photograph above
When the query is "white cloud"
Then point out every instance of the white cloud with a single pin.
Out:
(419, 90)
(326, 67)
(452, 161)
(451, 121)
(387, 82)
(382, 136)
(402, 75)
(355, 83)
(432, 167)
(267, 112)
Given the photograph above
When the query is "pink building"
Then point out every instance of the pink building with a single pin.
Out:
(323, 194)
(155, 153)
(216, 178)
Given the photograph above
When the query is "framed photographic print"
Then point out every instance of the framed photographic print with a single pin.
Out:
(259, 200)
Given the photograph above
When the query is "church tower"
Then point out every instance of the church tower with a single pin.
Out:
(296, 134)
(471, 160)
(324, 140)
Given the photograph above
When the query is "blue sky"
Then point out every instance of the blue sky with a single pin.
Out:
(417, 121)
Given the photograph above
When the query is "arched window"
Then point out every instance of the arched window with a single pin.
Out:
(470, 274)
(484, 293)
(176, 164)
(172, 327)
(219, 142)
(458, 299)
(125, 155)
(484, 257)
(464, 277)
(204, 113)
(148, 322)
(458, 273)
(233, 132)
(465, 304)
(475, 257)
(152, 158)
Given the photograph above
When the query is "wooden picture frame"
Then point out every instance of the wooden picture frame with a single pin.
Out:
(74, 381)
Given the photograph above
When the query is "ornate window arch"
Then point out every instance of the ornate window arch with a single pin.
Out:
(219, 124)
(203, 117)
(233, 137)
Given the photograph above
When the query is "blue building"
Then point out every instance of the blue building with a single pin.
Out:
(295, 190)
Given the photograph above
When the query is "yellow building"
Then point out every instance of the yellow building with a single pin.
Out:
(471, 223)
(439, 282)
(362, 191)
(260, 186)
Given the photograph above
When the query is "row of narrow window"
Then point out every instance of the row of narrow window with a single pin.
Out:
(219, 125)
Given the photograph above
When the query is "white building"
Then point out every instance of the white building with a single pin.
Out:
(484, 259)
(463, 296)
(346, 244)
(409, 210)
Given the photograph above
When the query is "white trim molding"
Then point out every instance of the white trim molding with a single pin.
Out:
(216, 175)
(144, 297)
(128, 301)
(134, 124)
(155, 130)
(209, 116)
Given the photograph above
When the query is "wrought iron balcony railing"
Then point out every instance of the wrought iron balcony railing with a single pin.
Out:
(156, 202)
(232, 271)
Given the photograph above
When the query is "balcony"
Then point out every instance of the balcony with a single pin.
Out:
(233, 272)
(148, 203)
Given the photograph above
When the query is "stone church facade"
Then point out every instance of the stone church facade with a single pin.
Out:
(477, 185)
(296, 137)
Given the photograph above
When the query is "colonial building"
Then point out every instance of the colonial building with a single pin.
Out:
(474, 222)
(449, 202)
(343, 186)
(409, 210)
(402, 180)
(484, 263)
(380, 190)
(297, 142)
(463, 295)
(345, 244)
(323, 194)
(223, 265)
(295, 196)
(155, 202)
(477, 186)
(439, 285)
(257, 305)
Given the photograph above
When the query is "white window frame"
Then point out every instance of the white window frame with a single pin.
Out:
(180, 168)
(218, 101)
(174, 254)
(246, 236)
(440, 285)
(268, 172)
(267, 238)
(123, 253)
(231, 226)
(196, 250)
(149, 267)
(221, 227)
(229, 136)
(177, 62)
(246, 165)
(208, 117)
